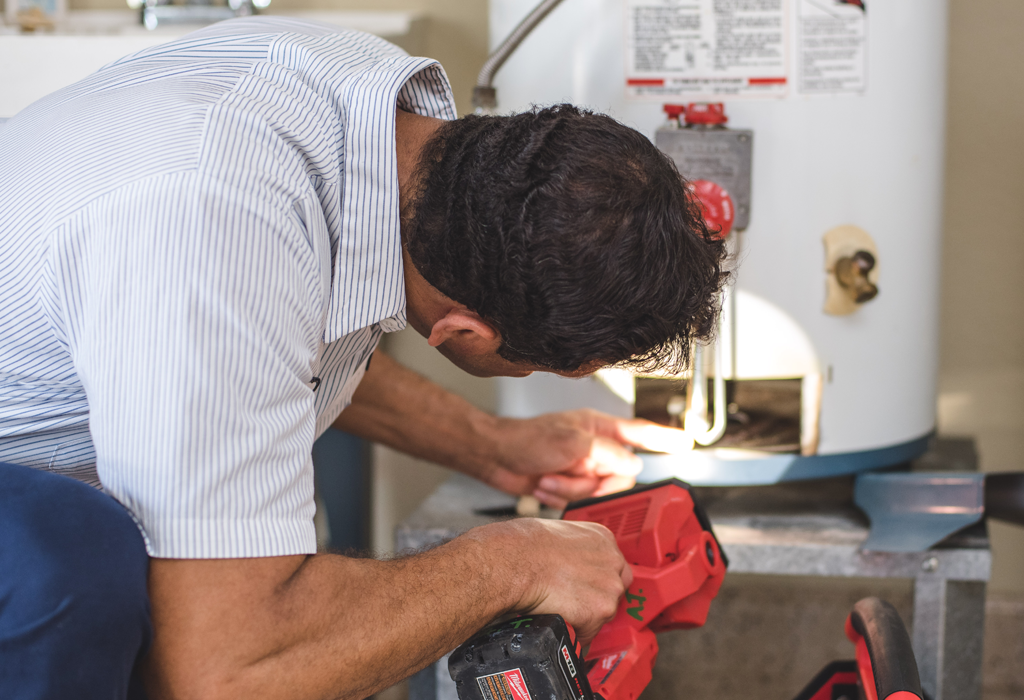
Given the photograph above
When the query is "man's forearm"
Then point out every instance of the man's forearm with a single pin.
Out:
(397, 407)
(328, 626)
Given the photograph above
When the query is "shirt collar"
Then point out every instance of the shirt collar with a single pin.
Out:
(368, 286)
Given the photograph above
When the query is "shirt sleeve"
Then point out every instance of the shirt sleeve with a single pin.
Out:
(194, 312)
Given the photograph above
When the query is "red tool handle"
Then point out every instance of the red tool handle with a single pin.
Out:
(885, 658)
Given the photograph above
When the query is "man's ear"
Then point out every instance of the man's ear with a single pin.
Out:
(467, 329)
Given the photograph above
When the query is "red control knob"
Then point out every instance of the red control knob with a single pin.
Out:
(706, 113)
(715, 202)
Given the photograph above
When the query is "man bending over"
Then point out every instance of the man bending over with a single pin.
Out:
(202, 245)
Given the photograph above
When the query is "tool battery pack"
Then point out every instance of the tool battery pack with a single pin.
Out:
(501, 662)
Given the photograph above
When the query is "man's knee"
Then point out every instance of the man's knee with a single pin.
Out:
(78, 589)
(70, 535)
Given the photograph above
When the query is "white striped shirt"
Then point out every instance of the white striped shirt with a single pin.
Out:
(188, 238)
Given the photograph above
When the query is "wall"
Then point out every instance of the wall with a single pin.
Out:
(982, 345)
(456, 32)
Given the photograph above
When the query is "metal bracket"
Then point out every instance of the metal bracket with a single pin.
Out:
(912, 511)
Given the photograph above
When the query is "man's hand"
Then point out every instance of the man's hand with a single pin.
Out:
(561, 457)
(572, 569)
(557, 457)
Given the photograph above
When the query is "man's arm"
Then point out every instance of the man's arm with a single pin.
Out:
(557, 457)
(328, 626)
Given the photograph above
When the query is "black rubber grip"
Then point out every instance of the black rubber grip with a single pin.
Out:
(892, 656)
(1004, 496)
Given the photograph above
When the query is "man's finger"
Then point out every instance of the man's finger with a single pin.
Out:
(608, 457)
(654, 437)
(549, 500)
(556, 490)
(626, 575)
(506, 481)
(614, 484)
(568, 487)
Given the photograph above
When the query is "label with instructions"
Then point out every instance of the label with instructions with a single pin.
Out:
(833, 47)
(506, 685)
(706, 48)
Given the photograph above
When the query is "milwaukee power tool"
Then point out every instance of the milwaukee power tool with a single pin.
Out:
(678, 568)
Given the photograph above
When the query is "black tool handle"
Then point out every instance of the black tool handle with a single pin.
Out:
(1004, 496)
(888, 644)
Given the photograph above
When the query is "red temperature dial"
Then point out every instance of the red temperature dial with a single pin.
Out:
(719, 212)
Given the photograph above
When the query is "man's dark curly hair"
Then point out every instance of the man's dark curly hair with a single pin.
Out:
(572, 234)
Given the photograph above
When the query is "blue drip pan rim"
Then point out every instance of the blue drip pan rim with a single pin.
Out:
(725, 467)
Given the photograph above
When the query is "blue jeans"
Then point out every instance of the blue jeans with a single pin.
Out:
(74, 611)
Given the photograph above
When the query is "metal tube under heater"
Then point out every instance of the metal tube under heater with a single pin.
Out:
(695, 421)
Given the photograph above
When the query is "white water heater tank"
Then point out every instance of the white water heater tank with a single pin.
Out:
(846, 106)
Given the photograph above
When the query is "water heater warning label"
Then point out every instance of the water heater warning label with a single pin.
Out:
(832, 53)
(706, 48)
(507, 685)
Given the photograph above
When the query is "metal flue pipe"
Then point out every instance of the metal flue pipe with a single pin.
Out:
(485, 98)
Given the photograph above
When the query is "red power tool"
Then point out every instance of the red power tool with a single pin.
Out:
(678, 568)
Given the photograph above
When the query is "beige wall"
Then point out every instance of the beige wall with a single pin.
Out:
(982, 370)
(983, 292)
